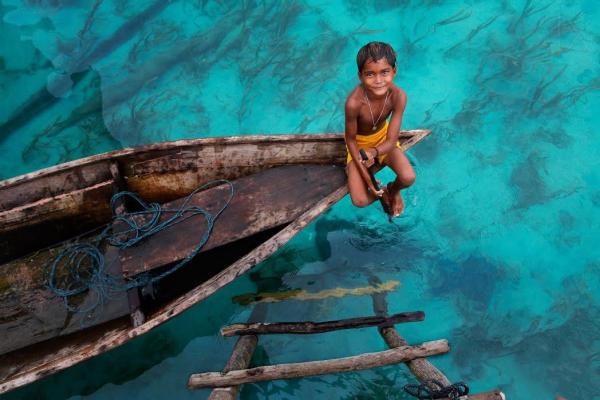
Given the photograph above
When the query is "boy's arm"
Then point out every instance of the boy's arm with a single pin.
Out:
(395, 123)
(351, 112)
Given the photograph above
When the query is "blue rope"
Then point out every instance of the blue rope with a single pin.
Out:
(84, 267)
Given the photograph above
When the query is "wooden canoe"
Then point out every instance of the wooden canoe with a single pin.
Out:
(280, 184)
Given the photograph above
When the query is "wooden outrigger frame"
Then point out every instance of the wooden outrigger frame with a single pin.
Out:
(226, 384)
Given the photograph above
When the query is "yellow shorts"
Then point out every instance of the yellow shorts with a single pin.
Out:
(371, 141)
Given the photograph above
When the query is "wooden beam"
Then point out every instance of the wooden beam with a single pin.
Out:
(240, 356)
(37, 224)
(421, 368)
(298, 370)
(239, 360)
(319, 327)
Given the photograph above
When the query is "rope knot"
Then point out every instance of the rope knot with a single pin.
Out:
(427, 390)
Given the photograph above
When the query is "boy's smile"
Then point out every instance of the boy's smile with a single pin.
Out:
(377, 76)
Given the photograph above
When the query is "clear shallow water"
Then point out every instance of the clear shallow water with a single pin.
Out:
(498, 244)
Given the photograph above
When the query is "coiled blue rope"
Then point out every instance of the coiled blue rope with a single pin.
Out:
(426, 391)
(83, 266)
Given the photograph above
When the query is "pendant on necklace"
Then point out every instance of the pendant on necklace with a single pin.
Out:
(374, 127)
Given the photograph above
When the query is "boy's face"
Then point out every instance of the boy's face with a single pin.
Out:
(377, 76)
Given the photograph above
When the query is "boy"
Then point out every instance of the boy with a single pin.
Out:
(367, 110)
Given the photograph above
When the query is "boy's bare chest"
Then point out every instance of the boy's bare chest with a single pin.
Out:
(371, 119)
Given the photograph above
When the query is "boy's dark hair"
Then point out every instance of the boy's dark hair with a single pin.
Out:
(375, 51)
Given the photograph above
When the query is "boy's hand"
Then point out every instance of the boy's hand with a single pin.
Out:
(370, 158)
(376, 192)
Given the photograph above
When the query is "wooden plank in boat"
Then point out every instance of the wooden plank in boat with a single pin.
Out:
(228, 156)
(30, 313)
(49, 220)
(165, 176)
(88, 200)
(37, 186)
(261, 201)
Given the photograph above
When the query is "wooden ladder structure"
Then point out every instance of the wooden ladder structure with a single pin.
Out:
(236, 372)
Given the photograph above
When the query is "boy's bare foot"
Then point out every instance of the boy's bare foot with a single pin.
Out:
(397, 203)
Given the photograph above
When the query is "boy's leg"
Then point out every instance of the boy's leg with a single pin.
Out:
(405, 176)
(359, 193)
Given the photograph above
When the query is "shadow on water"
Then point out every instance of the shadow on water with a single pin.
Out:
(386, 240)
(557, 137)
(281, 272)
(85, 52)
(273, 389)
(451, 223)
(472, 280)
(270, 276)
(378, 384)
(429, 150)
(531, 187)
(323, 227)
(527, 179)
(55, 145)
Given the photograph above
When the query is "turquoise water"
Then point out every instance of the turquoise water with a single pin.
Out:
(499, 242)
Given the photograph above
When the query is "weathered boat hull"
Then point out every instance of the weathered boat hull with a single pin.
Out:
(36, 208)
(162, 173)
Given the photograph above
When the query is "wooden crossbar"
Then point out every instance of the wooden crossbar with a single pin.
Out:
(311, 368)
(320, 327)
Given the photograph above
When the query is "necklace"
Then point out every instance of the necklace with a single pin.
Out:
(371, 111)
